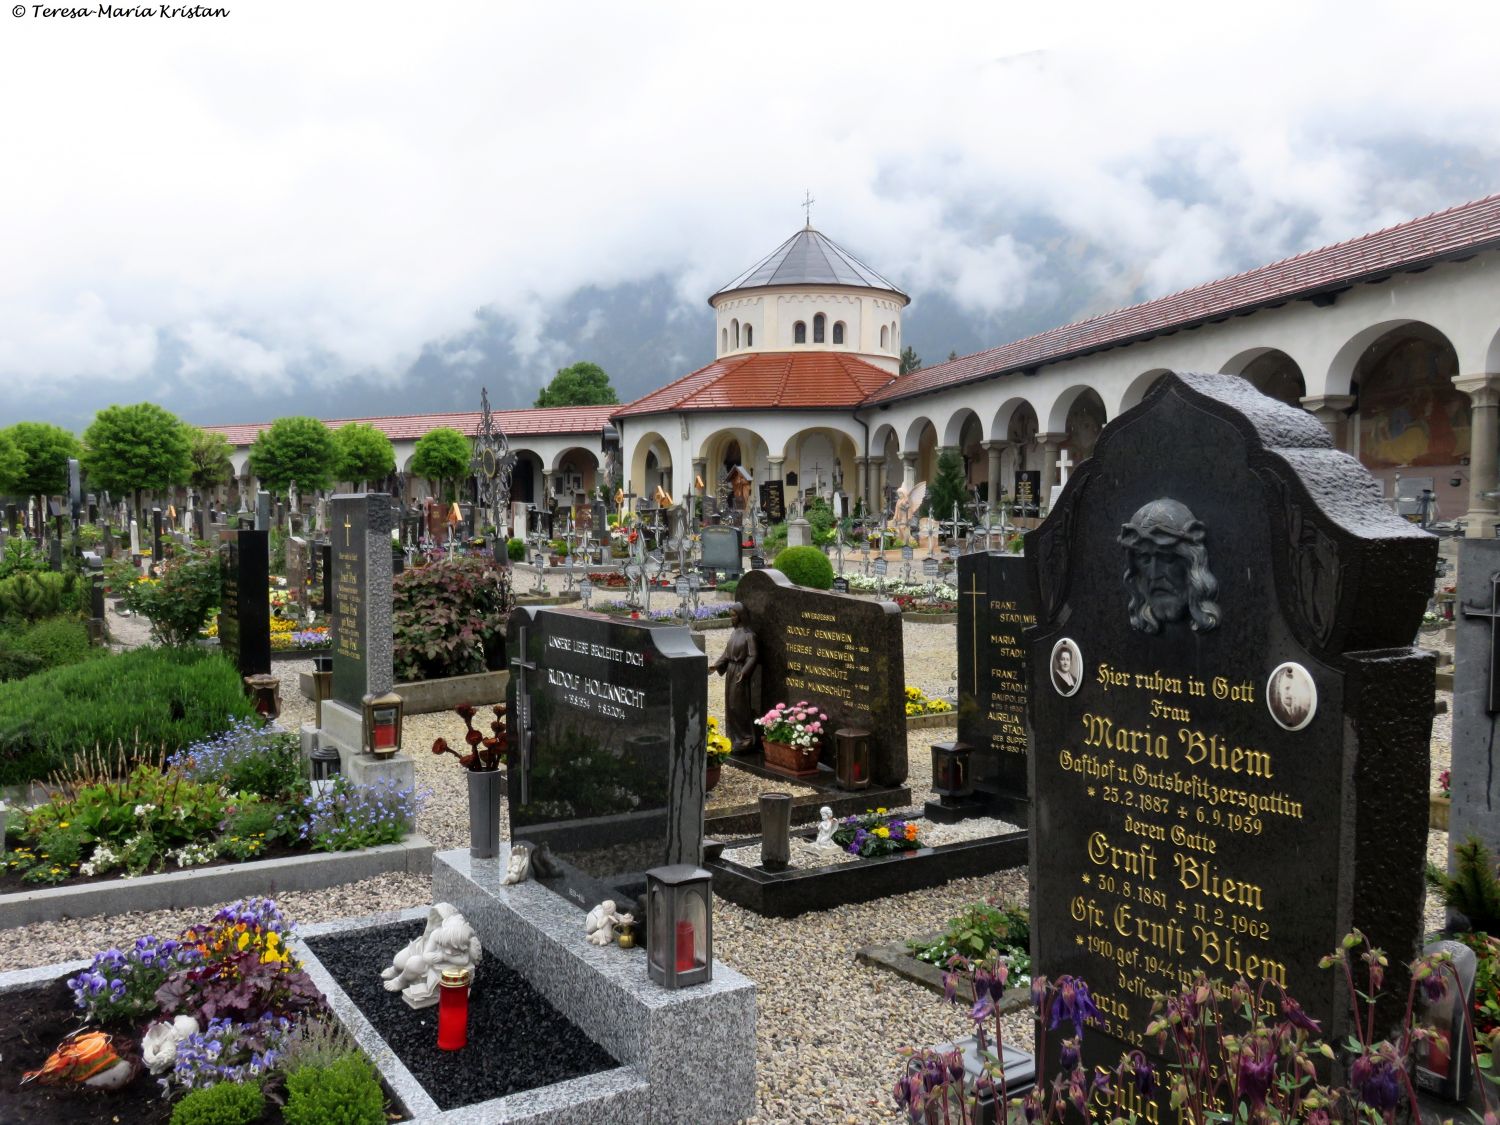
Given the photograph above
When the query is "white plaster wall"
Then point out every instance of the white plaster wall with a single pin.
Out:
(775, 311)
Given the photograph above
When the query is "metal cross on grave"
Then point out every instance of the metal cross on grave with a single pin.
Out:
(1492, 614)
(523, 713)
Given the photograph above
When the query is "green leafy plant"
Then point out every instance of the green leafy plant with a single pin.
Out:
(346, 1092)
(21, 556)
(246, 758)
(346, 816)
(515, 550)
(446, 614)
(128, 449)
(224, 1103)
(948, 488)
(144, 699)
(981, 931)
(1473, 889)
(297, 449)
(442, 456)
(31, 595)
(876, 833)
(178, 604)
(54, 642)
(318, 1041)
(364, 453)
(806, 566)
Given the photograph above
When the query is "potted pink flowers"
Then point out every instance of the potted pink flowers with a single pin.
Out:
(791, 734)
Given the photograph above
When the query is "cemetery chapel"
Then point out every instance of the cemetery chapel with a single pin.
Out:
(1391, 340)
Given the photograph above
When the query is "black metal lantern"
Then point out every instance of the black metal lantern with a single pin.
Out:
(852, 763)
(679, 925)
(952, 777)
(324, 765)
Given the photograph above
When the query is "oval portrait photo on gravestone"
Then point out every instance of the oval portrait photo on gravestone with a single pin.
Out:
(1067, 666)
(1291, 696)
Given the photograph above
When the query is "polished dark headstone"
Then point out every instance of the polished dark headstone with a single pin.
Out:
(244, 604)
(607, 721)
(773, 501)
(841, 652)
(1028, 493)
(322, 575)
(1239, 776)
(361, 612)
(1475, 788)
(158, 551)
(721, 550)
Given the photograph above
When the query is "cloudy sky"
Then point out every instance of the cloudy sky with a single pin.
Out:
(337, 208)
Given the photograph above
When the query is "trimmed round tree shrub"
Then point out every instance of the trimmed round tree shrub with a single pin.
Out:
(148, 699)
(515, 550)
(224, 1103)
(346, 1092)
(450, 617)
(806, 566)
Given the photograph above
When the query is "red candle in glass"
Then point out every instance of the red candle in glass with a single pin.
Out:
(685, 959)
(453, 1009)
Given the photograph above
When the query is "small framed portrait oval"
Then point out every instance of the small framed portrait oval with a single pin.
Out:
(1291, 696)
(1066, 667)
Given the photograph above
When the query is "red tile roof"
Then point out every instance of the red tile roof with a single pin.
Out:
(803, 380)
(1444, 235)
(589, 420)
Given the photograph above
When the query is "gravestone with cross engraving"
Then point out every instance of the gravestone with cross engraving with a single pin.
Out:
(606, 721)
(1229, 769)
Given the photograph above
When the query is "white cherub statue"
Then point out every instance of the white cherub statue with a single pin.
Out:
(826, 826)
(519, 866)
(447, 942)
(600, 924)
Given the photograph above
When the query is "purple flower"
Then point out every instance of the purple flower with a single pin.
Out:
(1297, 1017)
(1254, 1068)
(1143, 1073)
(1374, 1075)
(1072, 1004)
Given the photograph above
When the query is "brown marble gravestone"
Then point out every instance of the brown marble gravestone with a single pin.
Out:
(841, 652)
(1238, 778)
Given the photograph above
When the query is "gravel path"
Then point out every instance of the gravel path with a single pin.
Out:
(828, 1029)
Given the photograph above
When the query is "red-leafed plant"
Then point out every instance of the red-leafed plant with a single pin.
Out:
(484, 753)
(447, 614)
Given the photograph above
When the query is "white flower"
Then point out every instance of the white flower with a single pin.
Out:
(159, 1044)
(144, 810)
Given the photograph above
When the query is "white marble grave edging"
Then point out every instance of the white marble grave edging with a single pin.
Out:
(203, 886)
(694, 1047)
(610, 1095)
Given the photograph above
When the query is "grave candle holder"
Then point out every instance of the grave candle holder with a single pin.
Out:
(322, 686)
(453, 1009)
(382, 716)
(952, 776)
(775, 830)
(679, 925)
(852, 763)
(324, 765)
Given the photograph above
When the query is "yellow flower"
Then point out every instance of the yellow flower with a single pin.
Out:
(882, 832)
(881, 811)
(244, 942)
(62, 823)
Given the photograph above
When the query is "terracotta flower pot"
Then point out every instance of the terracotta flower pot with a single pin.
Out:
(794, 761)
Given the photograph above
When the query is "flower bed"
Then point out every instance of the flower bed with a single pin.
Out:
(223, 1015)
(919, 702)
(241, 796)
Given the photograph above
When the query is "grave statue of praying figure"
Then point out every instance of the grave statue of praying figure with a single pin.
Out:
(1166, 568)
(737, 665)
(826, 827)
(448, 942)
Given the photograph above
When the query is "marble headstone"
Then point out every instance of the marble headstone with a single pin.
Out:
(1238, 777)
(841, 652)
(607, 720)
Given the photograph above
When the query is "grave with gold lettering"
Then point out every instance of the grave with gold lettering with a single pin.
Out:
(607, 722)
(1229, 769)
(841, 652)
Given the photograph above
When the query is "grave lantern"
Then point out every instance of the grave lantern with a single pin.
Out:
(266, 690)
(951, 774)
(679, 925)
(322, 676)
(324, 764)
(382, 724)
(852, 765)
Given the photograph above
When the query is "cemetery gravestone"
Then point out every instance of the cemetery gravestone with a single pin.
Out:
(840, 652)
(994, 608)
(361, 607)
(157, 553)
(322, 563)
(1235, 775)
(1028, 493)
(773, 500)
(296, 570)
(1476, 695)
(244, 605)
(607, 721)
(720, 549)
(262, 510)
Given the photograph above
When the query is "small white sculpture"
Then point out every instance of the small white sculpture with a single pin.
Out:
(159, 1044)
(826, 826)
(519, 867)
(448, 942)
(599, 926)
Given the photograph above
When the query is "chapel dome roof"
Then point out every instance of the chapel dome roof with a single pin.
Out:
(809, 257)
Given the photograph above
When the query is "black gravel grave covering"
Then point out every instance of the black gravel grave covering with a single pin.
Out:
(517, 1040)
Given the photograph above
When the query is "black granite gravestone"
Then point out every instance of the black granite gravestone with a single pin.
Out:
(322, 576)
(720, 549)
(1229, 772)
(1028, 493)
(1476, 695)
(599, 521)
(157, 550)
(994, 608)
(841, 652)
(773, 501)
(607, 722)
(244, 601)
(361, 607)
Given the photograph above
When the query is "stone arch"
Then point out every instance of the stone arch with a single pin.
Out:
(885, 451)
(729, 446)
(1491, 357)
(1083, 423)
(1135, 391)
(1272, 372)
(650, 465)
(574, 470)
(957, 422)
(823, 457)
(526, 478)
(1057, 414)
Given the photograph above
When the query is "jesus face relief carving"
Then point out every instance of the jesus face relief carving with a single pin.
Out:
(1166, 568)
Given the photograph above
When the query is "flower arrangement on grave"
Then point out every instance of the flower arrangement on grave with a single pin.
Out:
(919, 702)
(797, 724)
(483, 753)
(718, 744)
(876, 833)
(925, 604)
(1445, 783)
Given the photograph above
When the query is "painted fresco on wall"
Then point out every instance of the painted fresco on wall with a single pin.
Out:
(1409, 411)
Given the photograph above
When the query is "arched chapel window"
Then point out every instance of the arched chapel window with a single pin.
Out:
(723, 340)
(838, 332)
(819, 322)
(885, 341)
(799, 333)
(749, 336)
(734, 331)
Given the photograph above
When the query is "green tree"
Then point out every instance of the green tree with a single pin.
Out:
(910, 360)
(442, 456)
(297, 449)
(948, 487)
(583, 384)
(128, 449)
(364, 453)
(45, 449)
(210, 455)
(12, 464)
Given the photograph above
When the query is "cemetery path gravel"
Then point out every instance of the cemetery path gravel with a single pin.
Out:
(828, 1029)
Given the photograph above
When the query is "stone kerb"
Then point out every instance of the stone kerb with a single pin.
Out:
(695, 1047)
